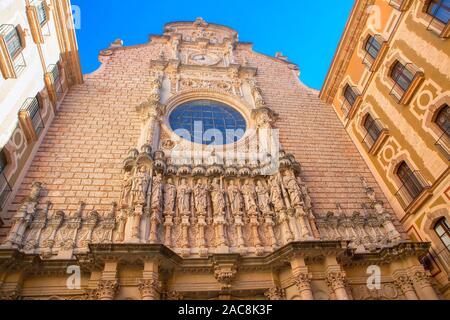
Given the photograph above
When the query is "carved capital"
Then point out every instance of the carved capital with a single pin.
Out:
(107, 289)
(422, 278)
(274, 293)
(404, 283)
(149, 288)
(174, 295)
(225, 274)
(335, 280)
(303, 281)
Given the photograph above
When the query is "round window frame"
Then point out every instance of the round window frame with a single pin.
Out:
(238, 105)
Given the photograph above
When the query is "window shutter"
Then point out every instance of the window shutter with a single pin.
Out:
(21, 34)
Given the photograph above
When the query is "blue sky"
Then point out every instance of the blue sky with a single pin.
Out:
(307, 32)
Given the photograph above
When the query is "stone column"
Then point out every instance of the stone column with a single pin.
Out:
(335, 278)
(149, 286)
(150, 114)
(404, 283)
(302, 278)
(108, 285)
(421, 280)
(336, 281)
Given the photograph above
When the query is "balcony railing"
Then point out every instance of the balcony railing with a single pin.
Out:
(5, 190)
(443, 143)
(32, 107)
(55, 76)
(17, 57)
(436, 25)
(374, 133)
(412, 188)
(403, 95)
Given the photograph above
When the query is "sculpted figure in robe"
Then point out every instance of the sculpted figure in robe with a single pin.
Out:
(170, 192)
(290, 182)
(235, 196)
(217, 197)
(263, 197)
(157, 193)
(276, 198)
(140, 185)
(127, 183)
(184, 197)
(248, 191)
(200, 197)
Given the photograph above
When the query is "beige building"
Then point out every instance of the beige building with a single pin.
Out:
(38, 63)
(193, 167)
(389, 84)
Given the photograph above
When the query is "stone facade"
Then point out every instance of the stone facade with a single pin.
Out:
(147, 215)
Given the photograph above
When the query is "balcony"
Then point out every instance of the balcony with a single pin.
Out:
(443, 144)
(55, 84)
(376, 134)
(404, 95)
(414, 191)
(31, 119)
(400, 5)
(373, 63)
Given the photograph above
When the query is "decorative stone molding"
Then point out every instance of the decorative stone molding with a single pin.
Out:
(225, 274)
(174, 295)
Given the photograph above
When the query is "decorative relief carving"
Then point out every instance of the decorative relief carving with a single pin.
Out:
(275, 293)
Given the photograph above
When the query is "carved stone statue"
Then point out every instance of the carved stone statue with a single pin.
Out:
(235, 197)
(200, 198)
(127, 184)
(290, 182)
(263, 197)
(184, 197)
(141, 182)
(248, 191)
(217, 197)
(276, 198)
(157, 193)
(170, 192)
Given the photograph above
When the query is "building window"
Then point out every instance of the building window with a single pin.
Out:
(42, 13)
(350, 95)
(440, 10)
(442, 229)
(443, 120)
(373, 47)
(5, 188)
(372, 128)
(207, 122)
(410, 182)
(402, 76)
(407, 79)
(13, 43)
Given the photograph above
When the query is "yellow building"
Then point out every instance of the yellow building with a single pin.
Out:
(389, 84)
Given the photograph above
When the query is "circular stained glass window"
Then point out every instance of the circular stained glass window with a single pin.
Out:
(207, 122)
